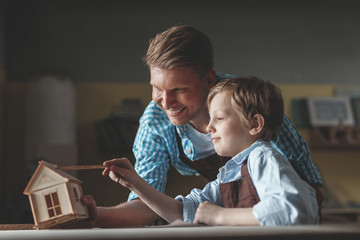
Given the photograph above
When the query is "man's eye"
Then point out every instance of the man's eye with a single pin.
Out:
(157, 89)
(219, 119)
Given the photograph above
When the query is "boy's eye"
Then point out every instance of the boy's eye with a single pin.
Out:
(219, 119)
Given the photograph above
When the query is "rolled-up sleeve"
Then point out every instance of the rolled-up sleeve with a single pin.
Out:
(192, 201)
(150, 149)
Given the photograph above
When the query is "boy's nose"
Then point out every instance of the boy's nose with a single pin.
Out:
(209, 128)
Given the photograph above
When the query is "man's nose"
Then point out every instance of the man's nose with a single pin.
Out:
(167, 100)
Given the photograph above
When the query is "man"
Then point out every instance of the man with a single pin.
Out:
(173, 127)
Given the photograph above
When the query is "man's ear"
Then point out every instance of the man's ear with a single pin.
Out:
(211, 79)
(257, 124)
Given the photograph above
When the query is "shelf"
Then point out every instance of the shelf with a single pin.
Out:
(335, 137)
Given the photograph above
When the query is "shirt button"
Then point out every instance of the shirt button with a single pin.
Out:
(189, 151)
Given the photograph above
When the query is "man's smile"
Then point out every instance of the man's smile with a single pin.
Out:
(175, 113)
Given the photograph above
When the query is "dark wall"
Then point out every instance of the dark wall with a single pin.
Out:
(313, 41)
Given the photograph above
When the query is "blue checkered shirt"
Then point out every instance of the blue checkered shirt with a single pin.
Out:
(155, 147)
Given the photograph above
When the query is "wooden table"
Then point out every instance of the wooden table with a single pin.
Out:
(308, 232)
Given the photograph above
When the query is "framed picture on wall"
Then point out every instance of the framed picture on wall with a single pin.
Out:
(330, 111)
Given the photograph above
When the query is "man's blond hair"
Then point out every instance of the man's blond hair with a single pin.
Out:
(181, 46)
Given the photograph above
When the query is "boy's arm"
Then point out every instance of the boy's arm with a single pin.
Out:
(210, 214)
(121, 171)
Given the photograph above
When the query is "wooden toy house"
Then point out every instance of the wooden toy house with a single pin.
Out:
(54, 197)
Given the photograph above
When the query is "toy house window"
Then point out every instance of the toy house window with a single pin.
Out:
(53, 204)
(76, 194)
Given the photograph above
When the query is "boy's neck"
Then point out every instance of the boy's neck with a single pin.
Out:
(249, 144)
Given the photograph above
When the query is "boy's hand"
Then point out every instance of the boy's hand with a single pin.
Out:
(207, 213)
(120, 170)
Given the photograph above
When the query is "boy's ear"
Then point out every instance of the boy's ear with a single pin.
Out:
(257, 124)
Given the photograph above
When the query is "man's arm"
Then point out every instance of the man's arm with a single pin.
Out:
(292, 145)
(133, 213)
(147, 147)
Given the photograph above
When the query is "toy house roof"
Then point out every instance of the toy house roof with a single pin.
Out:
(47, 175)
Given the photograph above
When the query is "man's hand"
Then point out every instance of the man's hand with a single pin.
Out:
(89, 202)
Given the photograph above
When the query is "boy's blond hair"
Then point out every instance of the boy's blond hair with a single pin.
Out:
(251, 95)
(181, 46)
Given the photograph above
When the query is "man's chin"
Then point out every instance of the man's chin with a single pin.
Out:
(177, 122)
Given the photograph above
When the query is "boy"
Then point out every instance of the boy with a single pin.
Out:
(258, 186)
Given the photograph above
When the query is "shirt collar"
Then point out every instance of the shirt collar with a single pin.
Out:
(242, 156)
